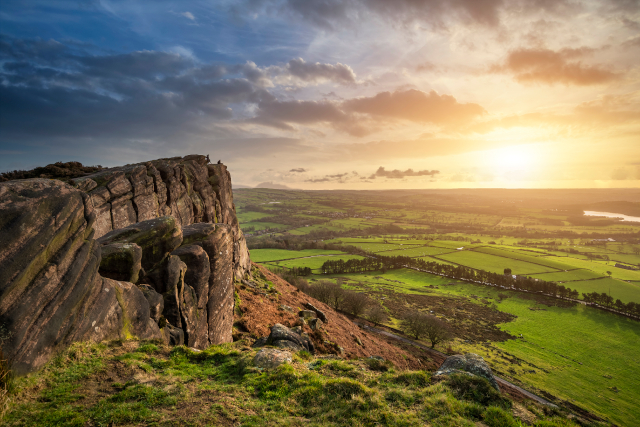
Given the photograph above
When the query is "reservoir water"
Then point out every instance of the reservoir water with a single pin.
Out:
(613, 215)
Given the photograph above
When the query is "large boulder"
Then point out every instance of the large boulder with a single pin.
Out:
(157, 238)
(283, 337)
(467, 364)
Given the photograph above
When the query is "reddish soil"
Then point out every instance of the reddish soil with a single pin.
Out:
(260, 310)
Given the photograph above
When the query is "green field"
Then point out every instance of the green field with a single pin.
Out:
(493, 263)
(601, 268)
(566, 276)
(524, 257)
(315, 263)
(412, 251)
(264, 255)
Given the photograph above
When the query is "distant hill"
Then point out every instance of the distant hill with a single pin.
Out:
(273, 185)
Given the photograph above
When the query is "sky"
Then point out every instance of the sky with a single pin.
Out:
(330, 94)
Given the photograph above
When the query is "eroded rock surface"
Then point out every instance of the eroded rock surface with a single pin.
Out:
(147, 251)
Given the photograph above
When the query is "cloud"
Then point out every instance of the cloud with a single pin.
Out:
(339, 178)
(338, 14)
(551, 67)
(300, 170)
(417, 106)
(313, 72)
(398, 174)
(188, 15)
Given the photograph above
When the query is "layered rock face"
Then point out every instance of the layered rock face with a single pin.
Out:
(148, 251)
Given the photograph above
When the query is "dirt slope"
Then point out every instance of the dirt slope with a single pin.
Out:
(260, 310)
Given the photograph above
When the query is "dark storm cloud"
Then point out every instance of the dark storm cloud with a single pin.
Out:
(58, 89)
(300, 170)
(550, 67)
(398, 174)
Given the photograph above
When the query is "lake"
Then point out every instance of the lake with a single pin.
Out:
(613, 215)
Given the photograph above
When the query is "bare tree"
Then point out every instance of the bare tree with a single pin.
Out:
(355, 303)
(376, 314)
(425, 325)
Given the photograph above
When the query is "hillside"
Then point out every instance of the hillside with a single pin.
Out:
(150, 383)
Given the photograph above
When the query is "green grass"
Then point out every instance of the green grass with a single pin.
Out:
(493, 263)
(420, 251)
(548, 262)
(596, 343)
(625, 291)
(581, 274)
(265, 255)
(602, 267)
(220, 386)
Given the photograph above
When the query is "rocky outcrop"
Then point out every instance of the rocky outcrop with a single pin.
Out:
(468, 364)
(146, 251)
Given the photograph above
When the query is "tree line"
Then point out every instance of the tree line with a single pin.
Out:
(376, 262)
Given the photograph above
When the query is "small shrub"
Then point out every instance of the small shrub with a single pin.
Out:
(555, 422)
(497, 417)
(305, 355)
(344, 388)
(476, 389)
(148, 348)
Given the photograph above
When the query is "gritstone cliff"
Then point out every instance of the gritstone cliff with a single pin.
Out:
(149, 250)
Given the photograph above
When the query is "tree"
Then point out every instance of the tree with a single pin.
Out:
(355, 303)
(609, 273)
(507, 271)
(421, 324)
(376, 315)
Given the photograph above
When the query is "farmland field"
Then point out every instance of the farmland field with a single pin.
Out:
(314, 263)
(494, 264)
(264, 255)
(523, 257)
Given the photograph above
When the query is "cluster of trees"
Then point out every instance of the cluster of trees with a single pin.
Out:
(300, 271)
(606, 300)
(292, 220)
(418, 324)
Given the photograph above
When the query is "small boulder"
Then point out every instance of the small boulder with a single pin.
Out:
(315, 324)
(281, 332)
(319, 313)
(172, 335)
(284, 307)
(269, 358)
(468, 364)
(307, 314)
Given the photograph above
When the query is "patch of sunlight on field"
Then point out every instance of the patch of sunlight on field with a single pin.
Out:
(594, 343)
